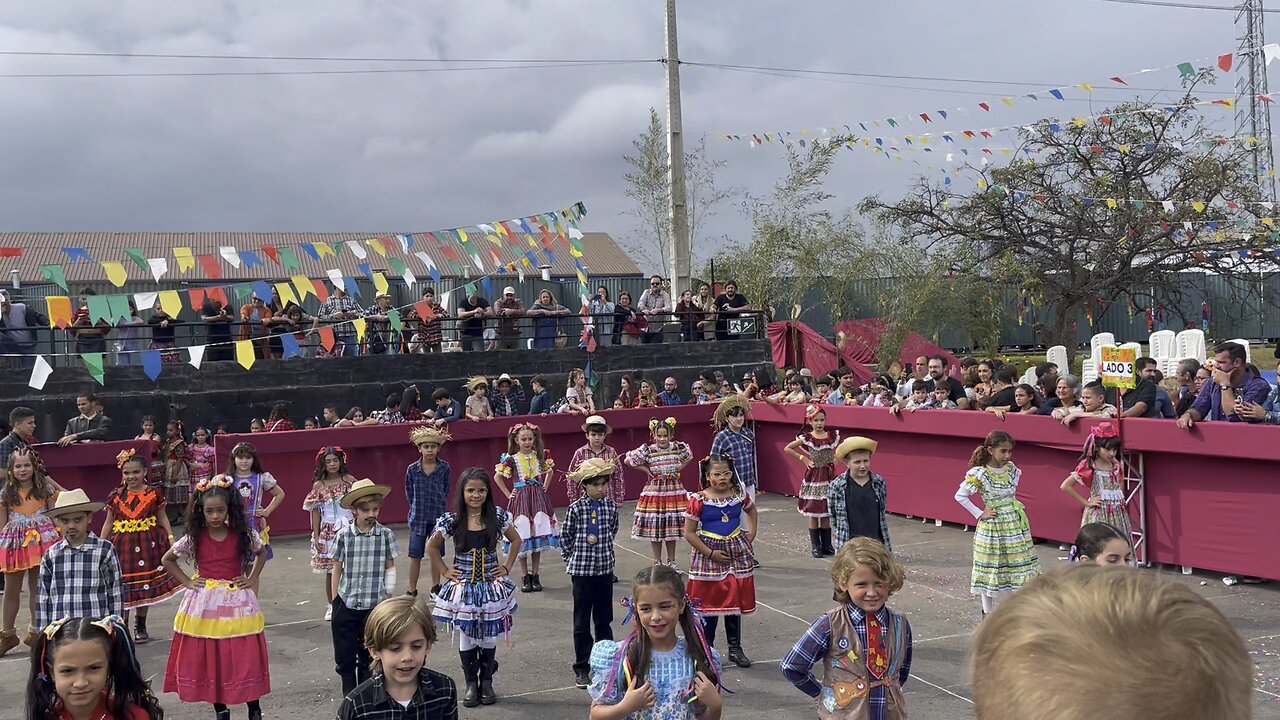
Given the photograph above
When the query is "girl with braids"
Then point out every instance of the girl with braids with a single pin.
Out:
(722, 564)
(324, 502)
(250, 482)
(219, 652)
(1004, 558)
(477, 598)
(1101, 469)
(659, 516)
(816, 448)
(138, 526)
(528, 465)
(656, 671)
(177, 471)
(97, 674)
(25, 534)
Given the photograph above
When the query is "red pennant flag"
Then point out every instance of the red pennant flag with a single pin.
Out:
(1095, 149)
(215, 293)
(985, 134)
(270, 251)
(7, 251)
(1039, 197)
(322, 293)
(968, 133)
(210, 265)
(326, 337)
(1265, 98)
(1118, 79)
(1104, 119)
(197, 298)
(984, 106)
(449, 252)
(1164, 226)
(1224, 62)
(424, 310)
(1233, 205)
(924, 117)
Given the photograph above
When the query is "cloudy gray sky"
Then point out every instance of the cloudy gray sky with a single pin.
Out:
(413, 152)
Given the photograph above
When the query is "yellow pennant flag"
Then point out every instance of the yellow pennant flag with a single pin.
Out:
(1085, 87)
(59, 307)
(1007, 101)
(359, 324)
(304, 286)
(1079, 122)
(1111, 203)
(376, 244)
(1123, 148)
(380, 282)
(286, 294)
(170, 302)
(1267, 221)
(186, 260)
(982, 183)
(115, 272)
(323, 249)
(529, 239)
(244, 353)
(462, 235)
(1199, 206)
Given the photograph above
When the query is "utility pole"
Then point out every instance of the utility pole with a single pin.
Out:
(679, 248)
(1253, 117)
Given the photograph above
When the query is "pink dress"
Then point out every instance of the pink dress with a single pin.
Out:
(201, 462)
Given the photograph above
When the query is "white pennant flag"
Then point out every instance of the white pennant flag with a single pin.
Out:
(197, 355)
(40, 373)
(159, 266)
(520, 271)
(574, 233)
(1270, 51)
(230, 254)
(446, 300)
(426, 260)
(1167, 205)
(357, 249)
(145, 300)
(335, 277)
(409, 278)
(404, 242)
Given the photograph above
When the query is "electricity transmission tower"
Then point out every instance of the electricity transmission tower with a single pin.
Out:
(1253, 115)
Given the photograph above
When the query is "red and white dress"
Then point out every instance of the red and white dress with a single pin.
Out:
(140, 545)
(660, 510)
(530, 508)
(328, 502)
(722, 588)
(812, 500)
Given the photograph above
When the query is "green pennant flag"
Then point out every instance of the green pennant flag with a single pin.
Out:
(1240, 224)
(397, 265)
(54, 274)
(1186, 69)
(99, 308)
(138, 257)
(471, 289)
(288, 258)
(1140, 204)
(119, 305)
(396, 323)
(337, 246)
(93, 363)
(242, 291)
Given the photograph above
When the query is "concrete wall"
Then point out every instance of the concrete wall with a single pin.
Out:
(225, 393)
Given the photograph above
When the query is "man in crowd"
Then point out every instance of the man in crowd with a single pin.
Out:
(508, 397)
(331, 416)
(339, 310)
(472, 311)
(1232, 393)
(847, 392)
(391, 413)
(730, 305)
(918, 372)
(90, 337)
(90, 424)
(1046, 379)
(655, 305)
(1141, 400)
(509, 310)
(23, 422)
(670, 394)
(430, 327)
(938, 371)
(18, 324)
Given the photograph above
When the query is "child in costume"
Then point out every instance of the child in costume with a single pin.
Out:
(477, 405)
(1101, 469)
(856, 498)
(155, 468)
(80, 574)
(177, 472)
(27, 532)
(477, 598)
(138, 526)
(324, 502)
(863, 646)
(597, 431)
(251, 482)
(398, 635)
(1004, 557)
(426, 483)
(721, 564)
(657, 671)
(528, 466)
(219, 651)
(76, 647)
(202, 457)
(364, 573)
(816, 448)
(734, 439)
(586, 542)
(659, 516)
(1101, 544)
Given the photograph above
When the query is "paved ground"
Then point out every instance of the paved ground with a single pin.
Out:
(535, 680)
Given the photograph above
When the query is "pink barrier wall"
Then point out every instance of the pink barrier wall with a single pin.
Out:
(1209, 501)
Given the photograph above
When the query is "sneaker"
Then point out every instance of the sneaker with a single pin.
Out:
(582, 679)
(673, 565)
(8, 641)
(434, 595)
(328, 611)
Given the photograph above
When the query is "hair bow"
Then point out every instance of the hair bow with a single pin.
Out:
(521, 426)
(655, 423)
(213, 482)
(124, 457)
(335, 449)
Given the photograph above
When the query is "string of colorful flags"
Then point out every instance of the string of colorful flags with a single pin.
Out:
(1224, 63)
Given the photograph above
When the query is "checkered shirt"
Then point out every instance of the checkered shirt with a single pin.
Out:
(436, 699)
(79, 582)
(426, 495)
(582, 556)
(364, 559)
(816, 641)
(741, 446)
(507, 405)
(335, 305)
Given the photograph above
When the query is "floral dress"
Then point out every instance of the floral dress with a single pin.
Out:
(531, 511)
(140, 544)
(670, 674)
(660, 510)
(177, 474)
(202, 459)
(27, 535)
(812, 500)
(1004, 557)
(1107, 486)
(333, 517)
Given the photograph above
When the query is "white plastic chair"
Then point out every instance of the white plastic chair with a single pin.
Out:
(1029, 377)
(1135, 346)
(1189, 344)
(1097, 341)
(1163, 344)
(1058, 356)
(1248, 354)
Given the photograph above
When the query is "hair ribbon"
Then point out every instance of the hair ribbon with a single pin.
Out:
(125, 456)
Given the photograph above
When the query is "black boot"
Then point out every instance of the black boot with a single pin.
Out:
(348, 683)
(815, 543)
(733, 630)
(471, 671)
(527, 584)
(223, 713)
(140, 635)
(488, 666)
(255, 710)
(537, 583)
(824, 534)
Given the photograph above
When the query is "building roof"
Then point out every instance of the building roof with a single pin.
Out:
(602, 255)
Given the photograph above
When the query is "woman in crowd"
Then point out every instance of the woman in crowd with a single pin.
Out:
(601, 309)
(689, 315)
(705, 302)
(546, 313)
(1066, 395)
(632, 323)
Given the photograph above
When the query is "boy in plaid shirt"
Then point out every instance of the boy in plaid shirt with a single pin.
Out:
(80, 574)
(364, 573)
(586, 542)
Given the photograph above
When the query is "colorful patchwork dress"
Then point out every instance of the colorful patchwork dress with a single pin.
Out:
(251, 488)
(326, 501)
(177, 473)
(202, 459)
(722, 588)
(812, 500)
(530, 508)
(1004, 557)
(660, 511)
(140, 545)
(479, 604)
(27, 534)
(1107, 486)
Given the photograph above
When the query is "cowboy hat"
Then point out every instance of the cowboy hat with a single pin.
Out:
(475, 382)
(508, 290)
(421, 435)
(361, 489)
(73, 501)
(806, 373)
(592, 467)
(504, 377)
(853, 444)
(595, 420)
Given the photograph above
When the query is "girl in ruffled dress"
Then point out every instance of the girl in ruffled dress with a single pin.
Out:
(660, 510)
(1101, 469)
(324, 502)
(816, 448)
(528, 466)
(25, 533)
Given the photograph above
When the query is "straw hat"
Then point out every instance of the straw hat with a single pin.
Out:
(475, 382)
(592, 467)
(596, 420)
(73, 501)
(361, 489)
(853, 444)
(428, 434)
(504, 377)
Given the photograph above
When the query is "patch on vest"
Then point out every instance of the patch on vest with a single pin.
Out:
(843, 643)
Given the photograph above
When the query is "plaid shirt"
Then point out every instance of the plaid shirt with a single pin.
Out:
(364, 559)
(741, 446)
(836, 505)
(585, 519)
(426, 495)
(584, 454)
(79, 582)
(436, 699)
(507, 405)
(812, 647)
(335, 305)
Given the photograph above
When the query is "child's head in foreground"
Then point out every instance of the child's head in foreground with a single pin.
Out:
(399, 633)
(1109, 642)
(865, 574)
(76, 661)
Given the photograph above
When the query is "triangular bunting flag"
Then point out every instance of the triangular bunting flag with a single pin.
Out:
(54, 274)
(244, 353)
(40, 373)
(197, 355)
(138, 257)
(289, 344)
(151, 364)
(115, 272)
(158, 266)
(93, 363)
(230, 255)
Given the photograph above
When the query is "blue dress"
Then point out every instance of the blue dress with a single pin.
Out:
(671, 674)
(479, 604)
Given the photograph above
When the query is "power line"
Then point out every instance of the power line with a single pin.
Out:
(359, 71)
(318, 58)
(1184, 6)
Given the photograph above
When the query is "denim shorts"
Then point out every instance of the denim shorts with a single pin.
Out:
(417, 545)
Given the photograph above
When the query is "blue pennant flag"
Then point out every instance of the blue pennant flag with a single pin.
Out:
(76, 254)
(352, 289)
(262, 290)
(310, 249)
(151, 364)
(290, 345)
